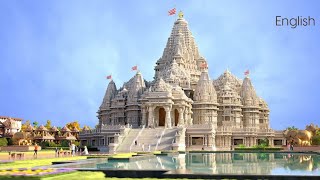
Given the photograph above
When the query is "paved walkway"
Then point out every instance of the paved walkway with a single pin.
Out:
(305, 148)
(4, 156)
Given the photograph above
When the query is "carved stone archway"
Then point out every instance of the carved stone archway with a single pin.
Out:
(162, 116)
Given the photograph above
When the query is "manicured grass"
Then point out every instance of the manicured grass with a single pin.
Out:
(77, 176)
(38, 162)
(89, 175)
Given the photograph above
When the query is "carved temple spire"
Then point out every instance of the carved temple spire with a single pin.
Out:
(205, 91)
(180, 46)
(248, 93)
(137, 88)
(109, 95)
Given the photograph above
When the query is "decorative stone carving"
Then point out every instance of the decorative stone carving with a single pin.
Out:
(223, 106)
(168, 116)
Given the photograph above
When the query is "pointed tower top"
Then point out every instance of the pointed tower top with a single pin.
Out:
(205, 91)
(248, 93)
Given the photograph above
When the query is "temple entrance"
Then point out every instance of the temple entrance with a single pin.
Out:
(176, 117)
(162, 117)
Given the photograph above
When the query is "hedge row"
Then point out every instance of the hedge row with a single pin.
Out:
(54, 148)
(3, 142)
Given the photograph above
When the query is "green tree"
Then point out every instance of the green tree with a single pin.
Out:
(292, 128)
(64, 143)
(25, 125)
(3, 142)
(86, 127)
(35, 124)
(316, 140)
(72, 125)
(48, 125)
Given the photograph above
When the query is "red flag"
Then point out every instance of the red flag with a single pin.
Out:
(246, 72)
(172, 12)
(109, 77)
(134, 68)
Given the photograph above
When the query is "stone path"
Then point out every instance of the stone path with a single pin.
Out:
(4, 156)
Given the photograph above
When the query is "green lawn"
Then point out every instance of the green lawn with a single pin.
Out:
(38, 162)
(88, 175)
(68, 176)
(77, 176)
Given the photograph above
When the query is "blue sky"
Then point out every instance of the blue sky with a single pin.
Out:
(54, 55)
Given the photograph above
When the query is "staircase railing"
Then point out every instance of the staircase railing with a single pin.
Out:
(159, 140)
(135, 139)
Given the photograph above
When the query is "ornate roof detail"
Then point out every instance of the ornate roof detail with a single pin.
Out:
(263, 104)
(11, 123)
(42, 128)
(54, 129)
(227, 95)
(137, 88)
(109, 95)
(178, 93)
(176, 74)
(227, 77)
(74, 129)
(65, 129)
(248, 94)
(85, 128)
(161, 86)
(29, 128)
(205, 91)
(182, 48)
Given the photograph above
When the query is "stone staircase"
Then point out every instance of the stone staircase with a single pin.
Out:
(128, 140)
(167, 139)
(147, 137)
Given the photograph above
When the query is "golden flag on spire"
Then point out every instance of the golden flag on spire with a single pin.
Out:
(180, 14)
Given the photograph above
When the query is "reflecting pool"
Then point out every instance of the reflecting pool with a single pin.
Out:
(221, 163)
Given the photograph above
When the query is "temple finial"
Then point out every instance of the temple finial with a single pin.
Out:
(180, 14)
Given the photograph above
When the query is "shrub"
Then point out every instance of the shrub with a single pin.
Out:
(53, 144)
(316, 140)
(77, 143)
(3, 142)
(241, 146)
(44, 144)
(64, 143)
(10, 142)
(54, 148)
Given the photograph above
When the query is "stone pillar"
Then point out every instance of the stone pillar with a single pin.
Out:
(168, 116)
(151, 118)
(189, 117)
(210, 141)
(186, 116)
(181, 110)
(144, 121)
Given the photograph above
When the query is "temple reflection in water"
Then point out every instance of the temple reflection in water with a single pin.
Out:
(226, 163)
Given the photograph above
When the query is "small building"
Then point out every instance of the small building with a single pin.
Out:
(9, 126)
(42, 134)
